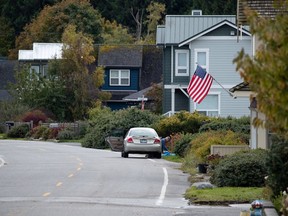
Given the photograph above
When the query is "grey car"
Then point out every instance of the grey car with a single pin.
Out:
(138, 140)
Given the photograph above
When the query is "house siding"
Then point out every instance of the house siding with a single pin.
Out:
(167, 65)
(229, 106)
(221, 65)
(166, 104)
(181, 101)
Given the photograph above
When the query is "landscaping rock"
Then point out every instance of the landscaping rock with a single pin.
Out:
(203, 185)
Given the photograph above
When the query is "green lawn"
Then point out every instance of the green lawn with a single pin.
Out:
(224, 195)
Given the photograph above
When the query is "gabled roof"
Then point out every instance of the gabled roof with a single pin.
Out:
(178, 28)
(244, 86)
(120, 55)
(212, 28)
(135, 96)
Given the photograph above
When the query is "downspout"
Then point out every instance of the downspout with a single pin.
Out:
(173, 89)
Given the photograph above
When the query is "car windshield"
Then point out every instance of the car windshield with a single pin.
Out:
(143, 132)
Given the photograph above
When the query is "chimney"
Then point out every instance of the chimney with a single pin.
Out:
(196, 12)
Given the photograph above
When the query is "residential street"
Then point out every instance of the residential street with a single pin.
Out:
(43, 178)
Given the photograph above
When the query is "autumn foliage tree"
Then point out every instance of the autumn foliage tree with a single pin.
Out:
(266, 72)
(51, 22)
(77, 56)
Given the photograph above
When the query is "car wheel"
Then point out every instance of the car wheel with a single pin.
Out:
(125, 154)
(158, 155)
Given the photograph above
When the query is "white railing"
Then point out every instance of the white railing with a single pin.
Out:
(170, 113)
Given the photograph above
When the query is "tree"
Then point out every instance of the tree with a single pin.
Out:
(6, 36)
(37, 92)
(16, 14)
(156, 94)
(114, 33)
(216, 7)
(266, 72)
(155, 14)
(21, 12)
(66, 91)
(77, 56)
(51, 22)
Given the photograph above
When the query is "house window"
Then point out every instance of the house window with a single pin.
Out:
(182, 63)
(119, 77)
(202, 58)
(35, 69)
(45, 70)
(209, 106)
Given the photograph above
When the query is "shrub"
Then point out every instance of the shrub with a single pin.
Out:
(2, 127)
(37, 132)
(103, 123)
(53, 133)
(277, 165)
(18, 131)
(66, 134)
(182, 122)
(201, 142)
(36, 116)
(97, 131)
(11, 110)
(182, 142)
(45, 134)
(95, 140)
(242, 169)
(240, 125)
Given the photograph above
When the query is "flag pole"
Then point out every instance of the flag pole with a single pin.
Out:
(232, 95)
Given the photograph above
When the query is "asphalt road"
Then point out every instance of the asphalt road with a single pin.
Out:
(45, 178)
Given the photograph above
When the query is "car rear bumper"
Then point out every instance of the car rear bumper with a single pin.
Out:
(138, 148)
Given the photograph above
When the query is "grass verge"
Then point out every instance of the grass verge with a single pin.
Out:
(173, 158)
(224, 195)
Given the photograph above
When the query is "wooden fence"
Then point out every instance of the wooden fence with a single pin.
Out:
(10, 124)
(227, 149)
(75, 127)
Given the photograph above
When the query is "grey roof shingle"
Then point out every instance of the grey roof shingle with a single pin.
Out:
(120, 56)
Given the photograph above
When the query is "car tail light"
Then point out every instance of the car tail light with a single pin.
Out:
(130, 140)
(157, 141)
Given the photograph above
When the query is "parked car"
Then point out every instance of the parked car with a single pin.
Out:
(138, 140)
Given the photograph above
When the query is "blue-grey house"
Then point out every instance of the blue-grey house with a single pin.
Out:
(212, 42)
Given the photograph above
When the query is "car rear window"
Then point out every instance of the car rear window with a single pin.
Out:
(143, 132)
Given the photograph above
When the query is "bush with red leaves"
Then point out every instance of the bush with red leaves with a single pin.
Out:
(36, 116)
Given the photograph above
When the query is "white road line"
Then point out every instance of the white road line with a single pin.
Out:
(2, 162)
(164, 187)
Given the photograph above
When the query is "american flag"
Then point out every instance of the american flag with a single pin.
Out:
(199, 85)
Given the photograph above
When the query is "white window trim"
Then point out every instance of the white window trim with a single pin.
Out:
(206, 50)
(119, 77)
(213, 110)
(177, 52)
